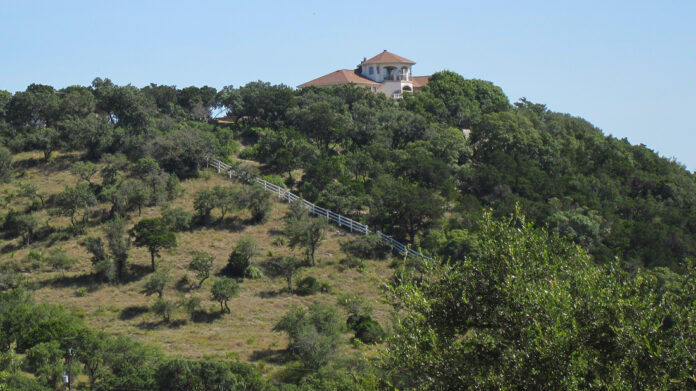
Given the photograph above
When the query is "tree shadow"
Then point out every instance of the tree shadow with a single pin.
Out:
(274, 356)
(175, 324)
(135, 273)
(275, 232)
(133, 311)
(78, 281)
(272, 293)
(232, 224)
(10, 247)
(145, 325)
(201, 316)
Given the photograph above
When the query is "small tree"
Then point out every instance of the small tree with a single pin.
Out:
(157, 283)
(20, 224)
(285, 267)
(119, 243)
(155, 235)
(101, 261)
(225, 199)
(240, 258)
(204, 203)
(74, 200)
(84, 170)
(201, 264)
(257, 201)
(163, 308)
(314, 335)
(57, 259)
(223, 290)
(306, 232)
(32, 192)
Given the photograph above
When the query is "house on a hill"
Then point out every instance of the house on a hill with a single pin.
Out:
(385, 73)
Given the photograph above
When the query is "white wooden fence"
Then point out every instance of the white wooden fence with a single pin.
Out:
(340, 220)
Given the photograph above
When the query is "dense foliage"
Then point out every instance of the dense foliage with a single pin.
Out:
(533, 311)
(581, 294)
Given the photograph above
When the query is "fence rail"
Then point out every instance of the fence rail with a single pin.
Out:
(342, 221)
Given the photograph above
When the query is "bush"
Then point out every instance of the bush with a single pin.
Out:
(354, 263)
(308, 286)
(240, 258)
(163, 308)
(59, 260)
(369, 331)
(367, 247)
(246, 173)
(274, 179)
(253, 272)
(177, 219)
(259, 203)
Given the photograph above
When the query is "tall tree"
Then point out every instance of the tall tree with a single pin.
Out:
(402, 208)
(154, 235)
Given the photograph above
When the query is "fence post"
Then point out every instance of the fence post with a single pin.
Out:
(366, 230)
(219, 166)
(230, 172)
(339, 220)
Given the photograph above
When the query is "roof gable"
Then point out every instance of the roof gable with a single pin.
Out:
(388, 58)
(341, 76)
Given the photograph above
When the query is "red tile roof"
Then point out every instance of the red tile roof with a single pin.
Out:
(388, 58)
(342, 76)
(420, 81)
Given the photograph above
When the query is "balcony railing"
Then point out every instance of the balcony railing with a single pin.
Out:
(397, 77)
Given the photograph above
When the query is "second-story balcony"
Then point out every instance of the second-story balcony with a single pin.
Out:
(397, 77)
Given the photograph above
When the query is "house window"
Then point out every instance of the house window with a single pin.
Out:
(372, 70)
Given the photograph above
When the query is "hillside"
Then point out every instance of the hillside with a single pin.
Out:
(554, 243)
(123, 309)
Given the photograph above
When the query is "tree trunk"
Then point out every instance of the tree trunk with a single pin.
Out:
(152, 254)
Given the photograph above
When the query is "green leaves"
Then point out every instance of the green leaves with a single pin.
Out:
(531, 311)
(153, 234)
(223, 290)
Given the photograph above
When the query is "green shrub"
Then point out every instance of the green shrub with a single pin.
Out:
(240, 258)
(177, 219)
(253, 272)
(163, 308)
(310, 285)
(81, 292)
(248, 153)
(354, 263)
(369, 331)
(274, 179)
(366, 247)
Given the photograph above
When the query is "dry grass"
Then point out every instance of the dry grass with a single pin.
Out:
(246, 333)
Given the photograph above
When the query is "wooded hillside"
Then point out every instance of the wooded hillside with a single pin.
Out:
(555, 243)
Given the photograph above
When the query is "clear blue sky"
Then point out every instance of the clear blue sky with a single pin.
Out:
(629, 67)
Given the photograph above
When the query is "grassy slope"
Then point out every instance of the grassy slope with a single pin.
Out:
(245, 333)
